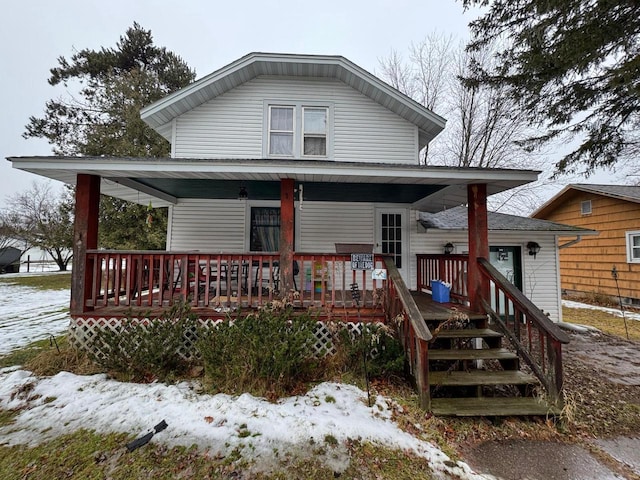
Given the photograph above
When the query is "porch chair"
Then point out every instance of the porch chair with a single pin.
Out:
(235, 272)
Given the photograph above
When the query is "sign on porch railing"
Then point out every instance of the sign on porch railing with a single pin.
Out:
(362, 261)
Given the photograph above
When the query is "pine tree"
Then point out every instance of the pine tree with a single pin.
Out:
(102, 117)
(574, 66)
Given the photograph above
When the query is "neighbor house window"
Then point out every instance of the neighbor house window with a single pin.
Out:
(633, 247)
(298, 130)
(264, 234)
(281, 129)
(585, 207)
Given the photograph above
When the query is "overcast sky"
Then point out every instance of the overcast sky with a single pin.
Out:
(208, 34)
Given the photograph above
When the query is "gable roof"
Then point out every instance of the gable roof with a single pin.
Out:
(628, 193)
(160, 114)
(456, 219)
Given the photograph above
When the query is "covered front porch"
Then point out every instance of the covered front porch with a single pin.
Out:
(367, 266)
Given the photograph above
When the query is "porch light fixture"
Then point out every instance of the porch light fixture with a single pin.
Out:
(448, 248)
(533, 248)
(242, 193)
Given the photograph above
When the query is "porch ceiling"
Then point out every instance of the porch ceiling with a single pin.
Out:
(165, 180)
(312, 191)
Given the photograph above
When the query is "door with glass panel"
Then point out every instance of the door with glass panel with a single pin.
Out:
(391, 237)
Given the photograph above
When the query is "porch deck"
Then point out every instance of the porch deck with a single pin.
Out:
(436, 311)
(447, 364)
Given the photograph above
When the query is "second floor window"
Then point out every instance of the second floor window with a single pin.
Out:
(297, 131)
(314, 131)
(281, 121)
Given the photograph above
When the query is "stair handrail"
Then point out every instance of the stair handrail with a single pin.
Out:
(401, 309)
(528, 312)
(408, 303)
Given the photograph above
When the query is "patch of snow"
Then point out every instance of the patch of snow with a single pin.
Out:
(613, 311)
(28, 314)
(219, 424)
(576, 327)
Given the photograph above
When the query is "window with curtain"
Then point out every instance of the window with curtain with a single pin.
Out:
(297, 130)
(314, 125)
(265, 229)
(281, 124)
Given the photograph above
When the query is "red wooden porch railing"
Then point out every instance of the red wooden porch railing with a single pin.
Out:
(535, 337)
(451, 269)
(412, 330)
(153, 279)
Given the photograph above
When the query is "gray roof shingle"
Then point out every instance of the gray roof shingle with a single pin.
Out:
(625, 192)
(456, 219)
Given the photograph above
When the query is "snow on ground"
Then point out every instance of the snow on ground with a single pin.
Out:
(260, 430)
(629, 315)
(28, 314)
(216, 423)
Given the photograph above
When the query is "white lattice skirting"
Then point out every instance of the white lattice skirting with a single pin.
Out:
(82, 333)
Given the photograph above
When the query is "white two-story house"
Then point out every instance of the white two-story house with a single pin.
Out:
(296, 176)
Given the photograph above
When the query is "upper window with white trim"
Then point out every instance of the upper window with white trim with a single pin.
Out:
(281, 127)
(298, 130)
(585, 207)
(633, 247)
(314, 131)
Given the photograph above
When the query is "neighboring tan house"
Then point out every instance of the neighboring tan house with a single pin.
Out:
(586, 266)
(299, 177)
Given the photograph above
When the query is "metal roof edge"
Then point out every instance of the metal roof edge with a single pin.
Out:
(438, 171)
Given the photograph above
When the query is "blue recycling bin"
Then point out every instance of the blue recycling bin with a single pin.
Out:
(440, 292)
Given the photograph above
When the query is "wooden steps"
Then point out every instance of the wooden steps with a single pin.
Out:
(470, 333)
(470, 371)
(472, 354)
(481, 377)
(491, 406)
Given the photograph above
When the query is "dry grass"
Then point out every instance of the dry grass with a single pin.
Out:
(52, 358)
(603, 321)
(55, 281)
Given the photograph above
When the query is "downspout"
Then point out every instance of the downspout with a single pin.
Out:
(578, 239)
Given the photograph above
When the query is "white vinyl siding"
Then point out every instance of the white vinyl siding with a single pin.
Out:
(541, 280)
(208, 225)
(232, 125)
(323, 224)
(223, 225)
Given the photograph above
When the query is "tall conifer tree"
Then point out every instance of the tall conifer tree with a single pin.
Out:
(574, 65)
(101, 116)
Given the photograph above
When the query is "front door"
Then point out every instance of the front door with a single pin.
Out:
(508, 261)
(391, 236)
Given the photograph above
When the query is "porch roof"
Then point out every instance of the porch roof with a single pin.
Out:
(165, 180)
(457, 219)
